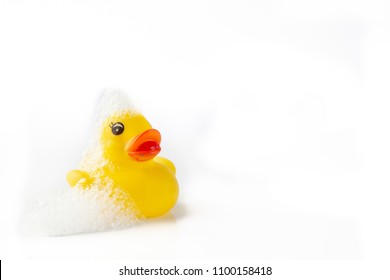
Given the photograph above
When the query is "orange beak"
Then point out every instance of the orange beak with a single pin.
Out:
(145, 146)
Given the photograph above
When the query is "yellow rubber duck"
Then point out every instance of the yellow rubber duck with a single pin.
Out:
(129, 148)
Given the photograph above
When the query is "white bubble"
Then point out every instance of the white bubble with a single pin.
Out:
(78, 210)
(75, 210)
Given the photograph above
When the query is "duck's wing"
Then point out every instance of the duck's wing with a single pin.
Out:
(166, 162)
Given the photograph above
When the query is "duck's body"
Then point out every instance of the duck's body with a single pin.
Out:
(145, 182)
(150, 186)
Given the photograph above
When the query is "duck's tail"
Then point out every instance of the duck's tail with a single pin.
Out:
(75, 177)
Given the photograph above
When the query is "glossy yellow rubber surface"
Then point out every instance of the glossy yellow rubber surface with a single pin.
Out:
(129, 148)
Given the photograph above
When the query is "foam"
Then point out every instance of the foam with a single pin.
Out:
(74, 211)
(77, 210)
(111, 102)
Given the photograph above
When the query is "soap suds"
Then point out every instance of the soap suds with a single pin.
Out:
(75, 210)
(111, 102)
(78, 210)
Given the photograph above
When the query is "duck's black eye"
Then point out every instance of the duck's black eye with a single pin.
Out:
(117, 128)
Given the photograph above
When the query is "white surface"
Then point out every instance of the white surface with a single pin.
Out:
(276, 114)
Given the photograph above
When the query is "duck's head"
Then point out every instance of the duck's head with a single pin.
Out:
(127, 137)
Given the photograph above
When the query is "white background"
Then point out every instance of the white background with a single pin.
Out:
(276, 114)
